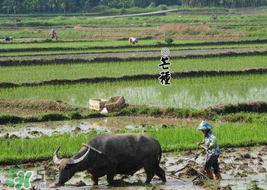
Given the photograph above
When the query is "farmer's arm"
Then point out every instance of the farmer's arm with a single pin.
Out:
(213, 142)
(200, 143)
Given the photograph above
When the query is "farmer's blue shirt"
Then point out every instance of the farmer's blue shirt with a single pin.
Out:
(210, 141)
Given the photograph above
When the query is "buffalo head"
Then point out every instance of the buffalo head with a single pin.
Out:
(68, 166)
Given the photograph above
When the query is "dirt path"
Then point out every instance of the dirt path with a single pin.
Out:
(135, 54)
(139, 14)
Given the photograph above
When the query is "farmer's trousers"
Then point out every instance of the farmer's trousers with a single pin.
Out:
(212, 161)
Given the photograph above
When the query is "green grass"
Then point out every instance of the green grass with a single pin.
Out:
(171, 139)
(197, 93)
(19, 74)
(97, 43)
(22, 117)
(193, 18)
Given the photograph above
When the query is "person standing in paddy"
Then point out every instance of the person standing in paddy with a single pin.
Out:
(53, 34)
(133, 40)
(213, 151)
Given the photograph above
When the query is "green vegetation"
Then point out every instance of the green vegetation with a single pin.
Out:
(246, 112)
(196, 92)
(76, 44)
(116, 6)
(193, 24)
(171, 139)
(19, 74)
(111, 50)
(243, 30)
(123, 44)
(169, 40)
(44, 117)
(92, 7)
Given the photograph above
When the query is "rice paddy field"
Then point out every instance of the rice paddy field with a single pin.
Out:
(219, 63)
(198, 92)
(47, 51)
(22, 74)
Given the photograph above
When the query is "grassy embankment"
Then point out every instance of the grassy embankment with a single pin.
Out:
(171, 139)
(246, 112)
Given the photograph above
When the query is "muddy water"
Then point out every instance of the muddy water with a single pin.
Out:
(33, 130)
(249, 162)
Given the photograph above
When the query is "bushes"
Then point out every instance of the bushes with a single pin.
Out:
(212, 32)
(53, 117)
(169, 40)
(153, 4)
(163, 7)
(10, 119)
(122, 11)
(99, 8)
(75, 115)
(191, 32)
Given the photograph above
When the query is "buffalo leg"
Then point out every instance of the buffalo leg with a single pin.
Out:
(95, 180)
(161, 174)
(110, 179)
(110, 176)
(149, 174)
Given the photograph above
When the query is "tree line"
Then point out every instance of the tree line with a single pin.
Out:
(70, 6)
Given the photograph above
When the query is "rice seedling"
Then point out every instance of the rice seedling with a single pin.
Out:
(131, 49)
(19, 74)
(197, 93)
(171, 139)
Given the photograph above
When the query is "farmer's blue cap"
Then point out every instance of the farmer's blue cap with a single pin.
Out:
(204, 126)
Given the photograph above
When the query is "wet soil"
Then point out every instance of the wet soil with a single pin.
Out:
(239, 167)
(34, 130)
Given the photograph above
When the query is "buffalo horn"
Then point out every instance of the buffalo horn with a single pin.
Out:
(78, 160)
(55, 157)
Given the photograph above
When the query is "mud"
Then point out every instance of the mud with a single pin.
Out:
(136, 77)
(234, 173)
(34, 130)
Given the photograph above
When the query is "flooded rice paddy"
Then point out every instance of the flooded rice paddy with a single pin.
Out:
(197, 93)
(239, 167)
(34, 130)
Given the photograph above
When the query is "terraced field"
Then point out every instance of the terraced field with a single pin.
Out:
(218, 67)
(22, 74)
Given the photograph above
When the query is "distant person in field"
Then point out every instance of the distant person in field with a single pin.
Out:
(133, 40)
(53, 34)
(212, 149)
(8, 39)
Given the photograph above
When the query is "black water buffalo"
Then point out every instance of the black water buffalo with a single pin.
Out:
(112, 154)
